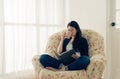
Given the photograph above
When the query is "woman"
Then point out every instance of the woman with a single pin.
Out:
(72, 39)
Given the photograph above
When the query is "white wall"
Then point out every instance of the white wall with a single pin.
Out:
(89, 13)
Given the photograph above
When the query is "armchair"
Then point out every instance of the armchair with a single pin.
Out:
(96, 52)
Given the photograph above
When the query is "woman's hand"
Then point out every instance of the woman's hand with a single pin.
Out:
(67, 34)
(63, 36)
(75, 56)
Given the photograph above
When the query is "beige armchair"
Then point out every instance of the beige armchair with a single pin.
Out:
(96, 52)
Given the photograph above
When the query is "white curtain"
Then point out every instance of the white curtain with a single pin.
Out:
(27, 26)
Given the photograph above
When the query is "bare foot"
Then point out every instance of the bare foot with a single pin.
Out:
(63, 68)
(54, 69)
(51, 68)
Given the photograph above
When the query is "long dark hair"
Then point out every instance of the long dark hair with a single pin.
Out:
(78, 36)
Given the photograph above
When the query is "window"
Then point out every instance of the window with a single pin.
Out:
(28, 24)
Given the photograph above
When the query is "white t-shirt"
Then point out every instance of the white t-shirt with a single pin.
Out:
(69, 47)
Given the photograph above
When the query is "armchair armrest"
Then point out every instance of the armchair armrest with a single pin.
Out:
(96, 67)
(37, 65)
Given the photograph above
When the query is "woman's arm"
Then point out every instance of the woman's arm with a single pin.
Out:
(60, 46)
(85, 47)
(67, 34)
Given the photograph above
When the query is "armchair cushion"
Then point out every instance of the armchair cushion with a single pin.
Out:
(48, 74)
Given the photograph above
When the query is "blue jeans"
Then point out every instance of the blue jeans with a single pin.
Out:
(80, 63)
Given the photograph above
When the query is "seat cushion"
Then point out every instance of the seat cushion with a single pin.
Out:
(48, 74)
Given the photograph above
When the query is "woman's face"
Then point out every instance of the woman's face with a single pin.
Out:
(72, 30)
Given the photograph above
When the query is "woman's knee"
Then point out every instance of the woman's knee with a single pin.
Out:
(44, 58)
(86, 59)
